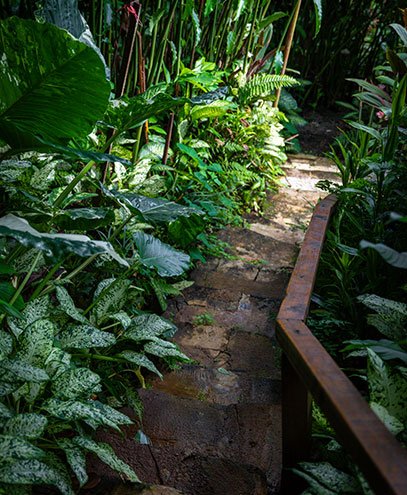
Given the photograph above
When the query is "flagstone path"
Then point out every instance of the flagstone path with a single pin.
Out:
(215, 425)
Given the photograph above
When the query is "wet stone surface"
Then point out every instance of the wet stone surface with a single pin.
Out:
(215, 424)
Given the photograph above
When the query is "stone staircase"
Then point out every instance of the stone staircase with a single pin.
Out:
(215, 425)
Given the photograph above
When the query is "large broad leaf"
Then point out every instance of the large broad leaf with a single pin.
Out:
(151, 209)
(155, 254)
(85, 218)
(28, 425)
(107, 455)
(393, 257)
(52, 85)
(55, 246)
(35, 472)
(84, 336)
(76, 383)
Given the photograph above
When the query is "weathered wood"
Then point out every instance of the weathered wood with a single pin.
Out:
(375, 450)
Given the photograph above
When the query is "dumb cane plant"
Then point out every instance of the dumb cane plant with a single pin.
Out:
(71, 339)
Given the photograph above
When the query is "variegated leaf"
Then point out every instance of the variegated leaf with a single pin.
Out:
(37, 309)
(12, 447)
(107, 455)
(34, 472)
(68, 306)
(163, 349)
(20, 370)
(140, 360)
(110, 299)
(76, 383)
(76, 459)
(6, 344)
(146, 326)
(36, 342)
(85, 336)
(122, 317)
(28, 425)
(57, 362)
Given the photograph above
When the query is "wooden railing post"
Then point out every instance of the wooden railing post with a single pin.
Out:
(296, 426)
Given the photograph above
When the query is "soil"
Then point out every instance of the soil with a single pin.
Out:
(318, 134)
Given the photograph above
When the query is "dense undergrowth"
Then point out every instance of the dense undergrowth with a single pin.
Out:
(360, 304)
(109, 191)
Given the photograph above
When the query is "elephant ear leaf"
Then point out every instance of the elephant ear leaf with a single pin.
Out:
(168, 262)
(52, 85)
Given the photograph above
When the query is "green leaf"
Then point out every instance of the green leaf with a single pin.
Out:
(84, 219)
(147, 326)
(140, 360)
(392, 424)
(164, 349)
(36, 342)
(57, 362)
(401, 31)
(21, 370)
(76, 459)
(35, 472)
(76, 383)
(214, 110)
(152, 209)
(92, 412)
(185, 230)
(325, 479)
(5, 412)
(28, 425)
(52, 85)
(122, 317)
(35, 310)
(155, 254)
(369, 130)
(394, 258)
(68, 306)
(318, 15)
(12, 447)
(386, 349)
(7, 292)
(110, 297)
(6, 344)
(387, 386)
(263, 86)
(107, 455)
(56, 247)
(84, 336)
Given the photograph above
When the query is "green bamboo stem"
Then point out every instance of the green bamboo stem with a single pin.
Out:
(250, 40)
(25, 280)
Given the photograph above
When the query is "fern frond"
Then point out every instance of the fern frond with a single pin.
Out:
(263, 86)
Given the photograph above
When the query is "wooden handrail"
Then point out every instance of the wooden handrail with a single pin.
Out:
(309, 369)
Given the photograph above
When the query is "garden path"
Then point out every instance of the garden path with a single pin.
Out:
(215, 425)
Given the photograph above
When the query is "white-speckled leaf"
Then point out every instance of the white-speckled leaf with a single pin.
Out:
(7, 388)
(110, 299)
(57, 362)
(107, 455)
(36, 342)
(12, 447)
(140, 360)
(325, 479)
(387, 386)
(392, 424)
(5, 412)
(15, 370)
(88, 411)
(6, 344)
(35, 310)
(35, 472)
(76, 384)
(85, 336)
(28, 425)
(146, 326)
(163, 349)
(68, 306)
(123, 318)
(76, 459)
